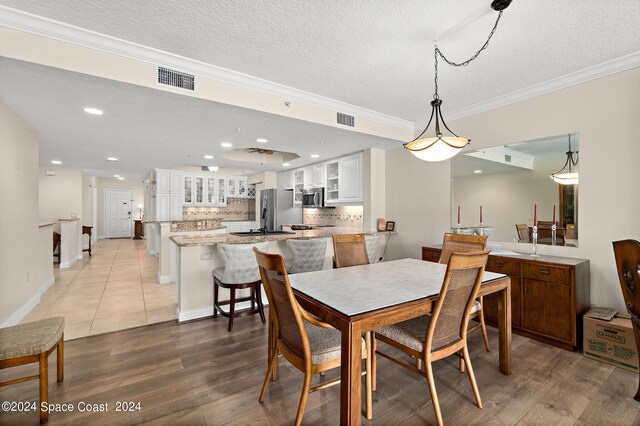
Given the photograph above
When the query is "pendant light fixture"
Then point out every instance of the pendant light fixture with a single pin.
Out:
(440, 147)
(567, 175)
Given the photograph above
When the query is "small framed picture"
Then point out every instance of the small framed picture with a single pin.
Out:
(390, 226)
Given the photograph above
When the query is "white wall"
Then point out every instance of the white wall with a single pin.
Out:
(60, 195)
(88, 183)
(20, 266)
(604, 112)
(135, 185)
(373, 187)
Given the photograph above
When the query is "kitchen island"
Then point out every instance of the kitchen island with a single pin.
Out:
(198, 256)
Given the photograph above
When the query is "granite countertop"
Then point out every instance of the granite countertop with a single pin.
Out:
(209, 240)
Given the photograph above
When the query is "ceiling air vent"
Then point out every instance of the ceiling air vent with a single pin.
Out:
(175, 78)
(346, 120)
(507, 158)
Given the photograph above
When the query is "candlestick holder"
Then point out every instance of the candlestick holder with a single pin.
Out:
(553, 234)
(534, 235)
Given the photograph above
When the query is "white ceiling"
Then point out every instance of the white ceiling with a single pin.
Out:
(375, 54)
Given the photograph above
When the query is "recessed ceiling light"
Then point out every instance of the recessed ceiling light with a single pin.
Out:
(56, 162)
(314, 156)
(112, 159)
(477, 171)
(120, 178)
(208, 157)
(261, 140)
(286, 164)
(116, 176)
(94, 111)
(226, 144)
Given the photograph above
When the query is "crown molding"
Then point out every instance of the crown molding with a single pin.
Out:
(597, 71)
(27, 22)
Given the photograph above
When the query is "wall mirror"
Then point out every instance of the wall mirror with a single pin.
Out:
(500, 185)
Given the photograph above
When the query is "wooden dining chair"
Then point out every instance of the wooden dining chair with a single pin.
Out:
(463, 244)
(309, 344)
(523, 233)
(627, 254)
(349, 250)
(443, 332)
(56, 245)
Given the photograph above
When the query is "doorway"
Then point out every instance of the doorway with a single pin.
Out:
(117, 214)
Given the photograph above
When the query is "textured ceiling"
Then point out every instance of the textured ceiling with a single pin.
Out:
(370, 53)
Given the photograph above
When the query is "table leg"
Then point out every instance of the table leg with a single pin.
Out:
(351, 375)
(504, 329)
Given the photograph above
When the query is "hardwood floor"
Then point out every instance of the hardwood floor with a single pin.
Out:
(198, 373)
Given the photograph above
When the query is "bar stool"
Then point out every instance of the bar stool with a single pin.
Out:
(371, 242)
(240, 271)
(308, 255)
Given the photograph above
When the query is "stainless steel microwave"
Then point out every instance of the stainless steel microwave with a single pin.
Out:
(313, 197)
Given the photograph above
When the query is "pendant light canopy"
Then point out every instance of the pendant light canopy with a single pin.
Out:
(567, 175)
(440, 147)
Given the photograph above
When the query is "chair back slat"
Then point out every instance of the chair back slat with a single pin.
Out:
(461, 243)
(350, 250)
(452, 309)
(627, 254)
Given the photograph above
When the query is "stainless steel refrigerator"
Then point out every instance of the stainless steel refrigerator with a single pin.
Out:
(276, 208)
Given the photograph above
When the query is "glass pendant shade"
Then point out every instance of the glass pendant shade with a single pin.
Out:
(436, 148)
(566, 175)
(566, 178)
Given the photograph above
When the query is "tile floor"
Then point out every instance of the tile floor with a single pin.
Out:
(114, 289)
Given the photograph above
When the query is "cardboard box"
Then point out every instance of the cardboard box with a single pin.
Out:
(611, 341)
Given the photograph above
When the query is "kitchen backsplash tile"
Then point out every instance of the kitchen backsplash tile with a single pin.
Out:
(236, 209)
(343, 216)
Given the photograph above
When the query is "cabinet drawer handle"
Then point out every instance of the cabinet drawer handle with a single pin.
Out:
(499, 264)
(544, 271)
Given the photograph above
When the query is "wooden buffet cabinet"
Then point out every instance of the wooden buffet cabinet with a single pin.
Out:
(549, 295)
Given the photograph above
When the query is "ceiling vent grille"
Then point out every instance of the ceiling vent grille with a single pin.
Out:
(174, 78)
(346, 120)
(507, 158)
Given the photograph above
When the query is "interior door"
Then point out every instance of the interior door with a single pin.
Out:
(117, 220)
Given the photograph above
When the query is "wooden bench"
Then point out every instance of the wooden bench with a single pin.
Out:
(33, 342)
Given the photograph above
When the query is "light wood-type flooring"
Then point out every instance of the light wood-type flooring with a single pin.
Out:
(198, 373)
(115, 289)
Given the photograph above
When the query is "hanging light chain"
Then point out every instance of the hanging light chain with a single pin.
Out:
(475, 55)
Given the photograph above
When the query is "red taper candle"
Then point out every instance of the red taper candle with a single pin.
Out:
(554, 213)
(480, 215)
(535, 214)
(458, 215)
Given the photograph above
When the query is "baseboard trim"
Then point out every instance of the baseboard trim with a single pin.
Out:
(64, 265)
(44, 287)
(18, 315)
(165, 279)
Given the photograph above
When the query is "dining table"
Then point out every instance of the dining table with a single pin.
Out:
(363, 298)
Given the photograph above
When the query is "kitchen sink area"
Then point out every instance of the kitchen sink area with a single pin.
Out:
(260, 232)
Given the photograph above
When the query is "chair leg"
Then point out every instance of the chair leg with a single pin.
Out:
(253, 298)
(432, 389)
(374, 362)
(232, 306)
(367, 364)
(303, 397)
(461, 362)
(60, 359)
(215, 299)
(260, 304)
(272, 363)
(44, 385)
(418, 363)
(483, 327)
(472, 377)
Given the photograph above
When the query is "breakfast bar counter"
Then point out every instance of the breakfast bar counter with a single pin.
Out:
(198, 255)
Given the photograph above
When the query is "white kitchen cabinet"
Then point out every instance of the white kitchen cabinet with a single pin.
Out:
(163, 181)
(332, 189)
(285, 180)
(198, 190)
(298, 186)
(308, 177)
(344, 180)
(319, 175)
(242, 187)
(175, 206)
(187, 188)
(221, 191)
(232, 187)
(351, 179)
(176, 183)
(210, 197)
(163, 210)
